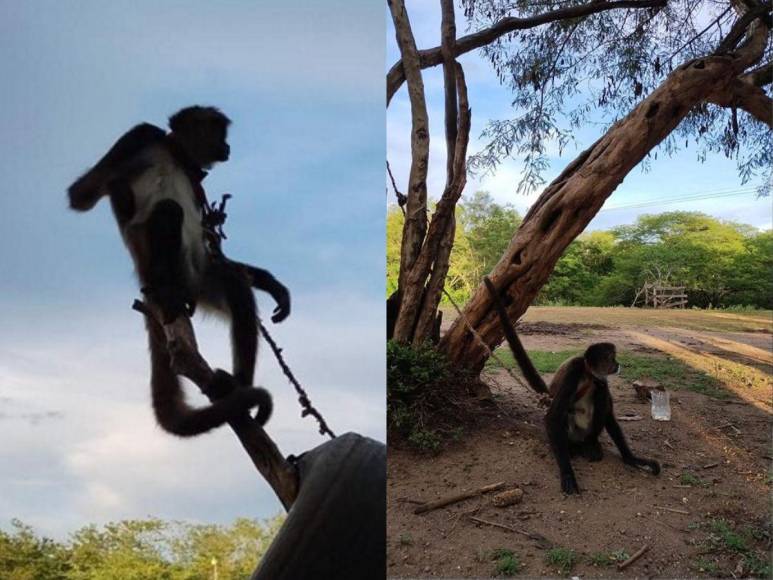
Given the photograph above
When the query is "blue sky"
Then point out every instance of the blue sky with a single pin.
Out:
(668, 177)
(78, 443)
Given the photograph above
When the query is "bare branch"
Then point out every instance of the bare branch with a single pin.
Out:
(433, 56)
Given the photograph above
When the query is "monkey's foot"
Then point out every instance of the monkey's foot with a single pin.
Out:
(569, 484)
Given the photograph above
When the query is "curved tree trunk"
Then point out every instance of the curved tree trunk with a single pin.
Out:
(569, 203)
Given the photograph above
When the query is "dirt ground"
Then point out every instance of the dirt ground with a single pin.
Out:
(715, 454)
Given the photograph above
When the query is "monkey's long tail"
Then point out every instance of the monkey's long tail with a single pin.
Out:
(519, 353)
(175, 416)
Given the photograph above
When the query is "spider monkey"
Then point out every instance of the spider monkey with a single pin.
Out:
(581, 406)
(153, 179)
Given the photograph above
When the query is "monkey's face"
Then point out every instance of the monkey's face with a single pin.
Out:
(203, 131)
(602, 359)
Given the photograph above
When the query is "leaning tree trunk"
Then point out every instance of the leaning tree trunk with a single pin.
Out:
(569, 203)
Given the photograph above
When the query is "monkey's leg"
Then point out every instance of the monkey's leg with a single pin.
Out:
(244, 321)
(616, 433)
(559, 443)
(165, 274)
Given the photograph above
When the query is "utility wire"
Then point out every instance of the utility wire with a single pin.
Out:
(683, 198)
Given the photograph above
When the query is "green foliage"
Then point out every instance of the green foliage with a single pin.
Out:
(721, 264)
(138, 550)
(507, 562)
(669, 372)
(420, 390)
(412, 376)
(563, 559)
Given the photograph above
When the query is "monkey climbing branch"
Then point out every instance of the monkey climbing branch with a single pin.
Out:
(280, 474)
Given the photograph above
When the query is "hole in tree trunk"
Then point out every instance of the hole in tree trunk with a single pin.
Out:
(652, 111)
(550, 219)
(517, 259)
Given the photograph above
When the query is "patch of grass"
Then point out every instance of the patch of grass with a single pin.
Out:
(705, 566)
(688, 478)
(608, 558)
(757, 566)
(507, 562)
(669, 372)
(724, 534)
(562, 558)
(406, 539)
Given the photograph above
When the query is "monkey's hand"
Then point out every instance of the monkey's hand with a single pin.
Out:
(569, 484)
(650, 464)
(282, 297)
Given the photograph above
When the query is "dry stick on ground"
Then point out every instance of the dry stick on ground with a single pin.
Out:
(673, 510)
(438, 503)
(632, 559)
(188, 362)
(541, 540)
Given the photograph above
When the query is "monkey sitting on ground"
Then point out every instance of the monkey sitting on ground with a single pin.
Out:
(153, 179)
(581, 406)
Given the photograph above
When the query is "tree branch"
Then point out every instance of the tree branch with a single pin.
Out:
(188, 362)
(750, 98)
(416, 207)
(433, 56)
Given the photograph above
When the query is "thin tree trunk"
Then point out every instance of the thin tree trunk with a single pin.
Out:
(415, 226)
(569, 203)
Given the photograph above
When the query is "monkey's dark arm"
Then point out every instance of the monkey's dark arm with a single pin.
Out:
(519, 353)
(557, 428)
(118, 162)
(264, 280)
(616, 434)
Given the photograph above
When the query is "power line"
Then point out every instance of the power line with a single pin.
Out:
(683, 198)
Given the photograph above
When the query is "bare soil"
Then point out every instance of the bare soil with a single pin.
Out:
(723, 446)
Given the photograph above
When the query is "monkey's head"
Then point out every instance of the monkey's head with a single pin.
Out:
(601, 360)
(202, 132)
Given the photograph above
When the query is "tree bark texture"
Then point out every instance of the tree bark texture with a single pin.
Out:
(569, 203)
(415, 226)
(421, 285)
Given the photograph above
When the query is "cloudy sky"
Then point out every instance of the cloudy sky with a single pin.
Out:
(78, 443)
(669, 177)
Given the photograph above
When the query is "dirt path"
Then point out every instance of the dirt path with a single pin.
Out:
(620, 509)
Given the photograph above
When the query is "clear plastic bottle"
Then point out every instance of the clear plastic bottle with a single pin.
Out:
(661, 407)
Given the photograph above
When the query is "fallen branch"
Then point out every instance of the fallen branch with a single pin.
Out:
(632, 559)
(541, 540)
(188, 362)
(674, 510)
(710, 465)
(438, 503)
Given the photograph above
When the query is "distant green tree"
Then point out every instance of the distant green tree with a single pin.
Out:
(149, 549)
(24, 556)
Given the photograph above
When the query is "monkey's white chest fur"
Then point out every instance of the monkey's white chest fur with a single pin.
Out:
(165, 180)
(581, 417)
